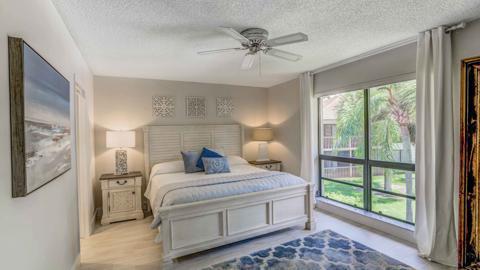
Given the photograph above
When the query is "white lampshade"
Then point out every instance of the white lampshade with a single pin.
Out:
(262, 134)
(120, 139)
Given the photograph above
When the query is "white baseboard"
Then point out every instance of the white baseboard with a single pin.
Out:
(76, 263)
(397, 229)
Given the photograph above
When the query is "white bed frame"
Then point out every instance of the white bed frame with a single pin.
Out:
(193, 227)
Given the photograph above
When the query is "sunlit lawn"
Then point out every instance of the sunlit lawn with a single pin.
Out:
(381, 203)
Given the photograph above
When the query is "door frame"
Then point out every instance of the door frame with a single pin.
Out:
(86, 215)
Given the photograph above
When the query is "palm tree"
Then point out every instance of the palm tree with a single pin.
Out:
(401, 108)
(392, 121)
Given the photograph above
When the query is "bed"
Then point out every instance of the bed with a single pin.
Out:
(195, 212)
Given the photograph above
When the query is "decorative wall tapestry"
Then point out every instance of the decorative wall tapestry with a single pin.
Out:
(195, 107)
(39, 119)
(163, 106)
(469, 220)
(224, 107)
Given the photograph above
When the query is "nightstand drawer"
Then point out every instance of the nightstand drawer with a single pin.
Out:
(121, 183)
(270, 167)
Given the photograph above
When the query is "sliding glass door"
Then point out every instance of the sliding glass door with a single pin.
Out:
(367, 141)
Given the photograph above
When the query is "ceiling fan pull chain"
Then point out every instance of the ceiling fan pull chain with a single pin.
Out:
(260, 65)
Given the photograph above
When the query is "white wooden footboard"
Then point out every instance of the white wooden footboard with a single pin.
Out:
(193, 227)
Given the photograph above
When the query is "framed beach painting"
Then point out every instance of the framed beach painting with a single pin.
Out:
(39, 119)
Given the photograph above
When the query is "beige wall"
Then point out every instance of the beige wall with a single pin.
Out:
(39, 231)
(126, 104)
(374, 70)
(284, 117)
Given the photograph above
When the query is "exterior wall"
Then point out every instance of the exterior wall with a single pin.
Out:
(39, 231)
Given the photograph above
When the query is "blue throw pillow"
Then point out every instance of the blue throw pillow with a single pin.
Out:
(216, 165)
(206, 153)
(190, 159)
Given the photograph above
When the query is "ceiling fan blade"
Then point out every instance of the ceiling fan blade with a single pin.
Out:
(234, 34)
(288, 39)
(283, 55)
(220, 51)
(248, 61)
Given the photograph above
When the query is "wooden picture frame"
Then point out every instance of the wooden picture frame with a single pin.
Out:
(39, 119)
(469, 207)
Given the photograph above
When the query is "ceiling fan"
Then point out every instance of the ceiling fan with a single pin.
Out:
(255, 40)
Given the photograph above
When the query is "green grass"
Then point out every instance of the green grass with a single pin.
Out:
(343, 193)
(382, 203)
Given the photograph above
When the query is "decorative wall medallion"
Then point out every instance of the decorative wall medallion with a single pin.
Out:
(163, 106)
(224, 106)
(195, 107)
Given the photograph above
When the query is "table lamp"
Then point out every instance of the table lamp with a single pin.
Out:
(120, 140)
(264, 135)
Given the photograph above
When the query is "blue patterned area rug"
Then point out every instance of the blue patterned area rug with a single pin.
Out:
(324, 250)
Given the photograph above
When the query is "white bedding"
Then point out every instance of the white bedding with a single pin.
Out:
(158, 180)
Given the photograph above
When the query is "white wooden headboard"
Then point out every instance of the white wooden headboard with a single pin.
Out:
(164, 143)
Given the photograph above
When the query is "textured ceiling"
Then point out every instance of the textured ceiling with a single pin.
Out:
(159, 38)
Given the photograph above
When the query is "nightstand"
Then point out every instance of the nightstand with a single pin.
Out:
(271, 165)
(122, 197)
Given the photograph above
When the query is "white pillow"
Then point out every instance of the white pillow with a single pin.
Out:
(236, 160)
(168, 167)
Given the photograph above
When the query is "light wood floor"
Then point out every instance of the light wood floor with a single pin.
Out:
(129, 245)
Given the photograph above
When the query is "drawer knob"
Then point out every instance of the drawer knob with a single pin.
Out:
(121, 184)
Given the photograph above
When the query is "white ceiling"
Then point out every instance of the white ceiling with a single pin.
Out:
(159, 39)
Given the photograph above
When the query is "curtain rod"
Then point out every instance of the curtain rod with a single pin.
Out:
(455, 27)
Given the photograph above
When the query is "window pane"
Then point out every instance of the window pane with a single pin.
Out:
(329, 130)
(342, 171)
(342, 124)
(393, 206)
(343, 193)
(393, 180)
(392, 122)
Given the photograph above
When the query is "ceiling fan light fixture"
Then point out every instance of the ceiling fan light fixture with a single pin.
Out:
(248, 61)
